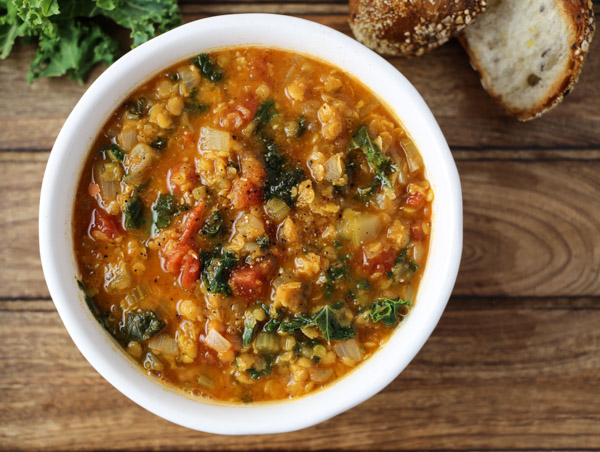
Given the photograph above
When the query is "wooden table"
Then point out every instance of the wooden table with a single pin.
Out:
(514, 362)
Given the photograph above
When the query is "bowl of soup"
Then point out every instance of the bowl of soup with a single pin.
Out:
(250, 224)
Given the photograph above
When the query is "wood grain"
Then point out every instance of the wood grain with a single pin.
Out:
(467, 115)
(531, 227)
(487, 379)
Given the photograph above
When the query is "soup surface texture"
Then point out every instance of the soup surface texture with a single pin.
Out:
(251, 224)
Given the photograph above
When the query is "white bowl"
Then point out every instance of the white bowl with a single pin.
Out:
(113, 87)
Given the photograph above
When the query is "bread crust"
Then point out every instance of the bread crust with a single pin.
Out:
(580, 15)
(410, 27)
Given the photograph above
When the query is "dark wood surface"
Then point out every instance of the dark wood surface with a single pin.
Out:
(514, 363)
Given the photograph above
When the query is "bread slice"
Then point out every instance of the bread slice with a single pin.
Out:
(529, 53)
(410, 27)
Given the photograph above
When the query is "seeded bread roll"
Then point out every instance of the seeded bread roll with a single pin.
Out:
(529, 53)
(410, 27)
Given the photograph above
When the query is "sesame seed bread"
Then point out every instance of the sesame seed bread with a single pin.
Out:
(410, 27)
(529, 53)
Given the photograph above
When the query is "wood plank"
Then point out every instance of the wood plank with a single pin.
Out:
(487, 379)
(530, 227)
(467, 115)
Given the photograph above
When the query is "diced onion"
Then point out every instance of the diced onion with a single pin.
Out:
(320, 375)
(127, 139)
(163, 343)
(109, 189)
(359, 227)
(138, 160)
(277, 209)
(213, 140)
(189, 79)
(217, 342)
(334, 168)
(206, 381)
(413, 158)
(409, 293)
(136, 295)
(250, 226)
(117, 277)
(349, 350)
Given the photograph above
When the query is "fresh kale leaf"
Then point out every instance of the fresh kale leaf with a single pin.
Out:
(272, 325)
(380, 164)
(134, 213)
(70, 34)
(385, 310)
(208, 68)
(403, 268)
(89, 300)
(216, 272)
(214, 224)
(141, 325)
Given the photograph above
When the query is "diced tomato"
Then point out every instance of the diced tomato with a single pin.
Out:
(237, 116)
(245, 193)
(174, 260)
(253, 170)
(247, 283)
(381, 262)
(183, 260)
(193, 223)
(181, 177)
(251, 282)
(104, 226)
(415, 201)
(190, 270)
(416, 232)
(260, 70)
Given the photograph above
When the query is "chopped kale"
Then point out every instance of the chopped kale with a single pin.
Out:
(363, 194)
(134, 213)
(208, 68)
(141, 325)
(162, 212)
(295, 323)
(249, 326)
(385, 310)
(325, 319)
(256, 374)
(263, 241)
(137, 107)
(282, 177)
(192, 105)
(403, 268)
(160, 143)
(272, 325)
(265, 113)
(113, 152)
(213, 225)
(380, 164)
(89, 300)
(301, 121)
(216, 272)
(337, 272)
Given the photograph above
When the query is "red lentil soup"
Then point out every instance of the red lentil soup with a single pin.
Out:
(251, 224)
